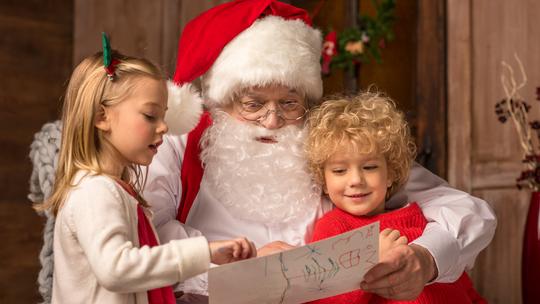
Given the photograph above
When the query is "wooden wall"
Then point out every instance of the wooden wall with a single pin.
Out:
(484, 155)
(35, 61)
(139, 28)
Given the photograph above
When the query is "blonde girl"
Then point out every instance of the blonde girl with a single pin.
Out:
(105, 247)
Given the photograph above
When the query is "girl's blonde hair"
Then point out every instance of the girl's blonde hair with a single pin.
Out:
(365, 123)
(83, 145)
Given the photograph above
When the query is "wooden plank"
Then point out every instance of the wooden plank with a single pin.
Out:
(459, 94)
(134, 28)
(35, 62)
(171, 31)
(496, 174)
(139, 28)
(19, 257)
(499, 29)
(430, 84)
(497, 271)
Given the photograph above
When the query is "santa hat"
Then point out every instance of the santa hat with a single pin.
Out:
(249, 43)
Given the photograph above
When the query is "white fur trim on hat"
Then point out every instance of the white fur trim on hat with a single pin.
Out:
(272, 51)
(185, 108)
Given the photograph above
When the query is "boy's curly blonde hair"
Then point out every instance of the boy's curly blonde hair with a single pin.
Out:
(368, 122)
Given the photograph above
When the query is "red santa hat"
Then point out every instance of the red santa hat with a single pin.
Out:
(249, 43)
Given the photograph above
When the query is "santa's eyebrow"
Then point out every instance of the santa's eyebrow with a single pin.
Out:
(292, 92)
(251, 94)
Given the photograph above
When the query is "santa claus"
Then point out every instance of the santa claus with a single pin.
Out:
(242, 171)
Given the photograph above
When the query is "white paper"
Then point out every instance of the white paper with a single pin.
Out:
(318, 270)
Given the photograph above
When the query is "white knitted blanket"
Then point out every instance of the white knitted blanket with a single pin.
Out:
(44, 155)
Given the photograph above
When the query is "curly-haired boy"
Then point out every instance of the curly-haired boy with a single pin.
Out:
(361, 151)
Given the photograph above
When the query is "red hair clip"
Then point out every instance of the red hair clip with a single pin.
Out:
(110, 70)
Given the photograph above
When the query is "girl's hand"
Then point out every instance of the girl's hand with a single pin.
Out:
(273, 247)
(228, 251)
(388, 239)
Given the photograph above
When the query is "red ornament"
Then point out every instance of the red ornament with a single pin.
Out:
(329, 48)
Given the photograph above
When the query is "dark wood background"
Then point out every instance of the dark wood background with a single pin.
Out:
(36, 46)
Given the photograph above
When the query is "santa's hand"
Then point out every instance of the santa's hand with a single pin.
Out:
(273, 247)
(228, 251)
(401, 274)
(388, 239)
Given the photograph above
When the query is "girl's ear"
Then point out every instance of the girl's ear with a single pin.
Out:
(325, 189)
(101, 121)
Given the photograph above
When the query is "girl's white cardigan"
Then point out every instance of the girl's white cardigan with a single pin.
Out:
(97, 258)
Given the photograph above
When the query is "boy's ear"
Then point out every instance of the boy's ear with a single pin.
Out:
(101, 121)
(389, 182)
(325, 189)
(389, 178)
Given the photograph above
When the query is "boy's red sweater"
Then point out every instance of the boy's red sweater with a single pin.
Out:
(411, 223)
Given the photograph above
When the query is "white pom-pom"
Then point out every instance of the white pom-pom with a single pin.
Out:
(185, 108)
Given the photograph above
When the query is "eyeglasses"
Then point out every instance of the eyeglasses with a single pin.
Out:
(254, 111)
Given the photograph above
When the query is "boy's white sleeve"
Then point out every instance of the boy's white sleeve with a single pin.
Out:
(459, 225)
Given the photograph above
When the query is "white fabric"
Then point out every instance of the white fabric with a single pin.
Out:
(271, 51)
(464, 224)
(97, 258)
(459, 225)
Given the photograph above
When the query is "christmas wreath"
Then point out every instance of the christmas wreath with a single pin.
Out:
(347, 48)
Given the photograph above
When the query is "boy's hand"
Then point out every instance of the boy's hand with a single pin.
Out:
(228, 251)
(388, 239)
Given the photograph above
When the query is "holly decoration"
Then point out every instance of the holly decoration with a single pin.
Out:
(106, 51)
(355, 43)
(108, 61)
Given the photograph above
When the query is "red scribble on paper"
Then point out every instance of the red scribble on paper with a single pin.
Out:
(369, 258)
(370, 231)
(350, 259)
(346, 240)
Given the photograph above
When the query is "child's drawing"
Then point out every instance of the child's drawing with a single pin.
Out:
(318, 272)
(312, 250)
(329, 267)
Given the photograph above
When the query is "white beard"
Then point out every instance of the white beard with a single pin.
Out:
(268, 183)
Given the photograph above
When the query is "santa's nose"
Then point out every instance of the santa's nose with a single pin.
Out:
(272, 121)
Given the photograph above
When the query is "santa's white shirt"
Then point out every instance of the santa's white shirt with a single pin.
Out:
(459, 225)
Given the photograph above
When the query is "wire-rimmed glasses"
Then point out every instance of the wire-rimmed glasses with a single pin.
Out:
(255, 111)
